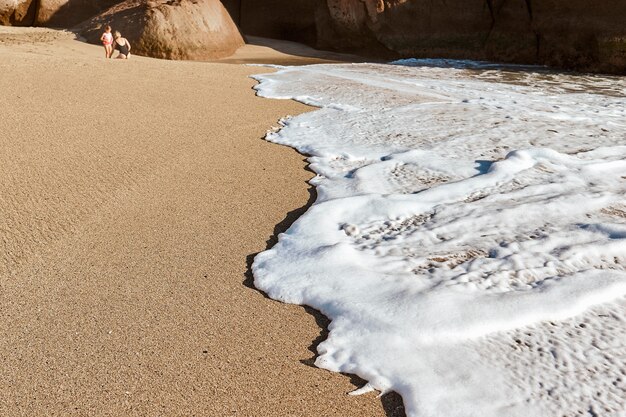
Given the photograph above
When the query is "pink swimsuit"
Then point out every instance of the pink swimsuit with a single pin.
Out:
(107, 39)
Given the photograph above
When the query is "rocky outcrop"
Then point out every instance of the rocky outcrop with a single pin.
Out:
(578, 34)
(174, 29)
(17, 12)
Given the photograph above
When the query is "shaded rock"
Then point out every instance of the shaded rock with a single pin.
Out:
(406, 27)
(17, 12)
(577, 34)
(293, 20)
(352, 25)
(68, 13)
(175, 29)
(581, 34)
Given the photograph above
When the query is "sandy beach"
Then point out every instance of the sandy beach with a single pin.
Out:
(133, 197)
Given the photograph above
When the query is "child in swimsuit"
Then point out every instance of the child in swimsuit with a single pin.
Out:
(107, 41)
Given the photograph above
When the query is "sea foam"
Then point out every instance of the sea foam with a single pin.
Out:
(468, 240)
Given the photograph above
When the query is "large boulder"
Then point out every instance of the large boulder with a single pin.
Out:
(17, 12)
(174, 29)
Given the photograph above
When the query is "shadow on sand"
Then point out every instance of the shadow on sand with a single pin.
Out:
(263, 51)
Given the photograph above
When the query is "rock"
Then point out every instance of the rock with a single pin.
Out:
(576, 34)
(174, 29)
(352, 25)
(581, 34)
(17, 12)
(294, 20)
(68, 13)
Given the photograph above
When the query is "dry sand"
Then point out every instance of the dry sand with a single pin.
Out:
(133, 196)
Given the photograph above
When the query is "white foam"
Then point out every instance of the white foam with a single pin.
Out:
(456, 206)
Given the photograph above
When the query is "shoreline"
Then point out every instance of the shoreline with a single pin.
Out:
(419, 228)
(122, 278)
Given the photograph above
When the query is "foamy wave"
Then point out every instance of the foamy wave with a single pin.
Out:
(457, 209)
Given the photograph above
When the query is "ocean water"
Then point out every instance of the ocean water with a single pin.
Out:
(468, 240)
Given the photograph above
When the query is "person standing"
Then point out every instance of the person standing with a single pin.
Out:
(107, 42)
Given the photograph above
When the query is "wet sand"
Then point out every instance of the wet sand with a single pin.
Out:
(133, 197)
